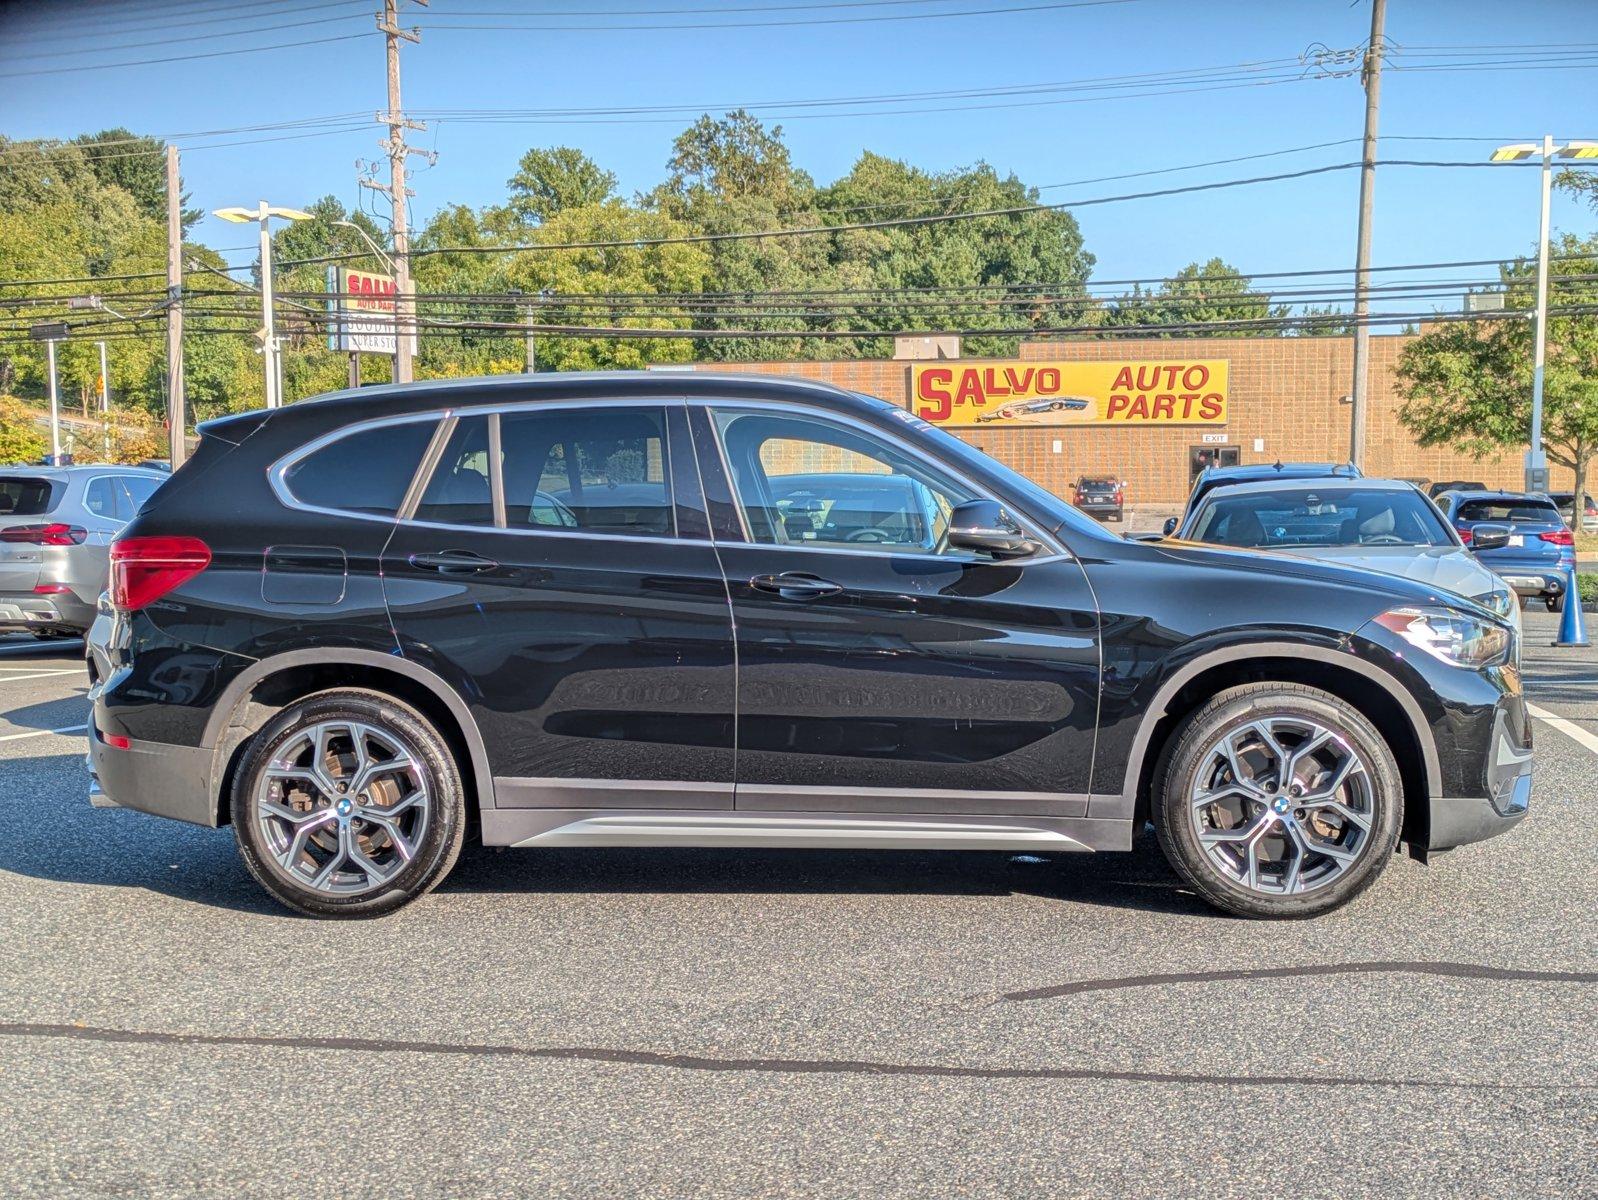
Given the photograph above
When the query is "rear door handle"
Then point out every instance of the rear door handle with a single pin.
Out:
(453, 562)
(796, 585)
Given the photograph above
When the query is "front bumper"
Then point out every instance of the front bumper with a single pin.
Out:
(1458, 821)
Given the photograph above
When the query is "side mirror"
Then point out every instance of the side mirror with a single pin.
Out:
(984, 525)
(1169, 527)
(1489, 537)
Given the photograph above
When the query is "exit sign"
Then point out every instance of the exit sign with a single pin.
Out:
(1215, 439)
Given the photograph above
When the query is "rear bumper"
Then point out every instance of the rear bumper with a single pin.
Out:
(49, 611)
(1536, 580)
(163, 780)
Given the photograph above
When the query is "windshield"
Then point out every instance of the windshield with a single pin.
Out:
(1520, 512)
(25, 497)
(1323, 516)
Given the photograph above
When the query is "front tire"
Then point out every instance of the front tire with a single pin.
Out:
(1277, 800)
(348, 804)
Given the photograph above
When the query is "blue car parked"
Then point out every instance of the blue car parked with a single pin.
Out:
(1523, 538)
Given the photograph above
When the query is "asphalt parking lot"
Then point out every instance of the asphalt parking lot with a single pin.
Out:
(717, 1023)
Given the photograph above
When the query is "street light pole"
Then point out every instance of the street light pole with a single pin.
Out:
(1537, 458)
(55, 409)
(105, 402)
(264, 213)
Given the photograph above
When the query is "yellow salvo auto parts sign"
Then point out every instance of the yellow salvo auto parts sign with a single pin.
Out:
(1111, 392)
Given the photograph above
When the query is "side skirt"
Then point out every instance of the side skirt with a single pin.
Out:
(799, 830)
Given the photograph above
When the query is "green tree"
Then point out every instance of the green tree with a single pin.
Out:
(549, 181)
(137, 165)
(570, 274)
(1468, 384)
(21, 440)
(736, 156)
(1199, 294)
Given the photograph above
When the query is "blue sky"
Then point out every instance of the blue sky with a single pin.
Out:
(1423, 215)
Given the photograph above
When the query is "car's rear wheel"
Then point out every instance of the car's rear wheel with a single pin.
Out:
(348, 804)
(1278, 800)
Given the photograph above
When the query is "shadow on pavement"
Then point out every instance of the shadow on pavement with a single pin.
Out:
(64, 840)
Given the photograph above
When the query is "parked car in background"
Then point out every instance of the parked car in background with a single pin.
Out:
(1536, 553)
(1214, 477)
(164, 465)
(55, 526)
(1564, 501)
(1383, 525)
(1454, 485)
(1101, 496)
(320, 632)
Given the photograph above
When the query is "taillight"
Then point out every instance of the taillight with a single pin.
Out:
(55, 534)
(1465, 536)
(143, 569)
(1560, 537)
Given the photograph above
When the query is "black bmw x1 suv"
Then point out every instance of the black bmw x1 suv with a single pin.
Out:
(695, 610)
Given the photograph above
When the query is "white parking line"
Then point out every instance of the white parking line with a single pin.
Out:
(1569, 728)
(39, 675)
(13, 737)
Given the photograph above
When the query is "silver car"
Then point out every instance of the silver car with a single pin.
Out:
(56, 524)
(1382, 525)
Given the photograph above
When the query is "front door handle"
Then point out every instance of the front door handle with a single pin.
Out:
(453, 562)
(796, 585)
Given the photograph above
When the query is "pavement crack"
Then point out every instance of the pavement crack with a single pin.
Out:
(1446, 969)
(789, 1066)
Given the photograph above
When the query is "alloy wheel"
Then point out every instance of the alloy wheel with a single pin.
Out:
(1282, 805)
(342, 806)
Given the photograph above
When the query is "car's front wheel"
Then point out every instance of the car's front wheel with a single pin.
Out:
(348, 804)
(1278, 800)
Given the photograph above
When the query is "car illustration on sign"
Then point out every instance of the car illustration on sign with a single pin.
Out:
(1042, 404)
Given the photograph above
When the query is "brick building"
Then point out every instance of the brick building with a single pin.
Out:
(1286, 402)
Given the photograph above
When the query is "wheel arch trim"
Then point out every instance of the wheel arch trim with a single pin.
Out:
(1125, 802)
(222, 715)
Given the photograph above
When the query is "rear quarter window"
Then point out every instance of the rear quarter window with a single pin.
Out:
(22, 496)
(366, 471)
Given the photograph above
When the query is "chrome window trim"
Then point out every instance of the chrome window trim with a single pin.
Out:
(427, 467)
(1056, 550)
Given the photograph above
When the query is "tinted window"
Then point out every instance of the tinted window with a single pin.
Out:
(459, 492)
(139, 489)
(20, 497)
(364, 472)
(1326, 516)
(101, 496)
(1525, 512)
(603, 470)
(809, 481)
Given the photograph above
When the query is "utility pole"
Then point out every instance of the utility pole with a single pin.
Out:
(1372, 78)
(394, 145)
(176, 408)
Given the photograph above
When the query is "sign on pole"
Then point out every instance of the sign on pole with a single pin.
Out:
(362, 305)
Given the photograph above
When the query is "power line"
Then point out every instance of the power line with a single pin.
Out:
(145, 62)
(896, 222)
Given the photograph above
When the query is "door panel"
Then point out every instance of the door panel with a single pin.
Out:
(598, 663)
(879, 679)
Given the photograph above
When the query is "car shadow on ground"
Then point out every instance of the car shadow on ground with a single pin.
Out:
(65, 840)
(61, 713)
(25, 647)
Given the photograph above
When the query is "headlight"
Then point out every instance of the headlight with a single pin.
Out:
(1450, 635)
(1502, 601)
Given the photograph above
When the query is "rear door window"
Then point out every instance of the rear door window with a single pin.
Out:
(26, 497)
(460, 491)
(367, 471)
(601, 470)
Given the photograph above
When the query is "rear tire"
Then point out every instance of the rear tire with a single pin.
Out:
(348, 804)
(1254, 843)
(1555, 603)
